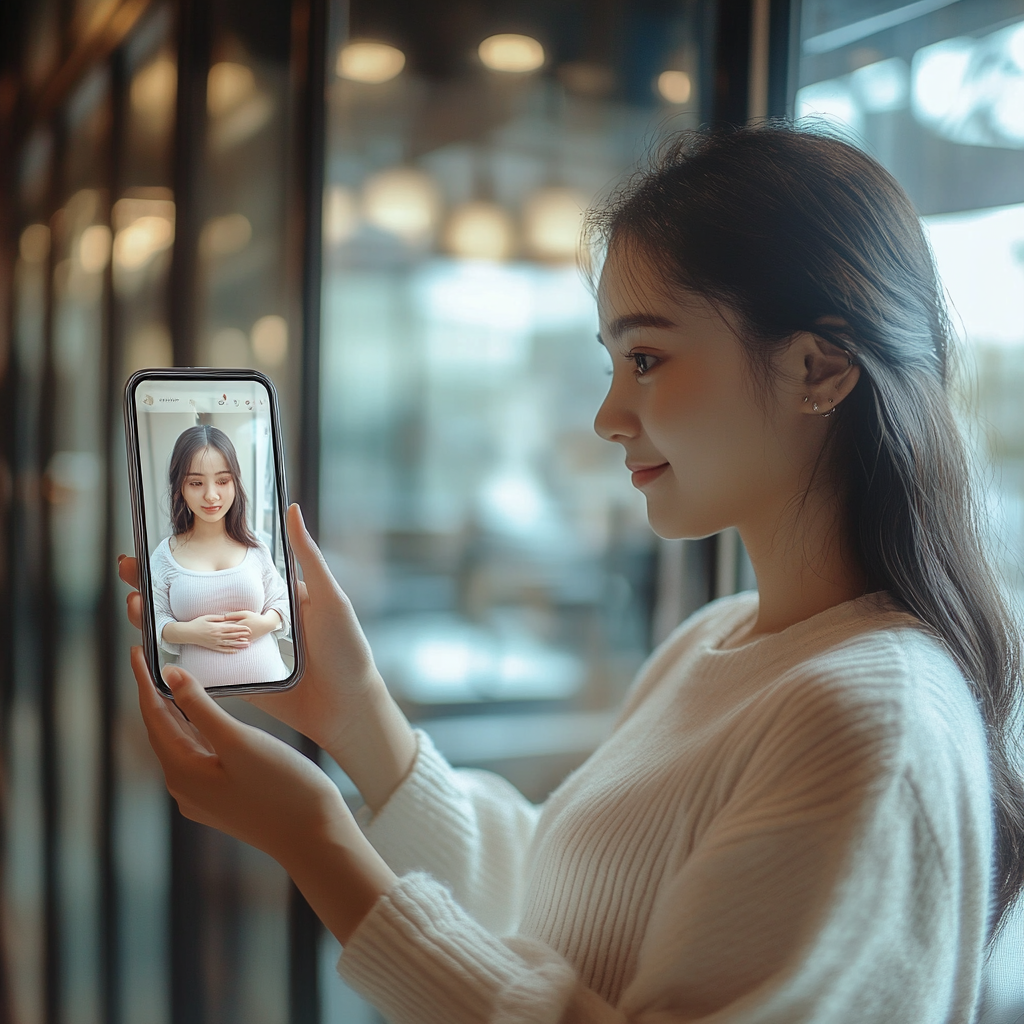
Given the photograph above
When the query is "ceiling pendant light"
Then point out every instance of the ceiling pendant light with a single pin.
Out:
(511, 52)
(402, 201)
(370, 62)
(480, 230)
(552, 219)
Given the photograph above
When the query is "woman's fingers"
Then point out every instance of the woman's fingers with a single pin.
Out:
(128, 570)
(164, 722)
(317, 576)
(200, 708)
(135, 609)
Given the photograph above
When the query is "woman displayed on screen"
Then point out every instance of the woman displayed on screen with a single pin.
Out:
(219, 601)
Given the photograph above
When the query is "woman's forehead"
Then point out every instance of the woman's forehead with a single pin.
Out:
(209, 460)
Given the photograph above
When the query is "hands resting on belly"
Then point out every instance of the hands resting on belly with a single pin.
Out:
(233, 631)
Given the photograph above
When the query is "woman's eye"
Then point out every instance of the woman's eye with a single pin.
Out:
(642, 361)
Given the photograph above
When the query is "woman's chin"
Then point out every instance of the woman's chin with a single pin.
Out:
(674, 524)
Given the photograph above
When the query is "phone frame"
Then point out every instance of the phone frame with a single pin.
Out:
(131, 429)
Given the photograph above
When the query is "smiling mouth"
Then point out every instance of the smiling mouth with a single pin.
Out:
(211, 508)
(646, 474)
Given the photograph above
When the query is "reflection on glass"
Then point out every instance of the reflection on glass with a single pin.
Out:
(74, 489)
(492, 544)
(23, 896)
(143, 225)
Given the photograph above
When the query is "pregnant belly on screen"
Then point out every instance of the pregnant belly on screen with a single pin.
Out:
(195, 596)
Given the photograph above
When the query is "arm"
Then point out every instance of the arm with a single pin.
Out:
(162, 604)
(819, 893)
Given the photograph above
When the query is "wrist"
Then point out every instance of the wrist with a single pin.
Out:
(378, 746)
(341, 876)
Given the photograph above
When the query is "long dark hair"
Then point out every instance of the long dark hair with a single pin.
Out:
(794, 230)
(190, 442)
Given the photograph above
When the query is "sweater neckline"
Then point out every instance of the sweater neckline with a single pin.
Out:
(874, 606)
(204, 572)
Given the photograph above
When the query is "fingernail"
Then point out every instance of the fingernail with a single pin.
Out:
(120, 559)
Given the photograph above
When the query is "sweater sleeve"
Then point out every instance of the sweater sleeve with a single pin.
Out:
(819, 893)
(160, 575)
(275, 590)
(470, 829)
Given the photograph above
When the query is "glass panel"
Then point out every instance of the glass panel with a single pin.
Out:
(247, 285)
(498, 557)
(142, 220)
(74, 488)
(247, 278)
(938, 97)
(23, 898)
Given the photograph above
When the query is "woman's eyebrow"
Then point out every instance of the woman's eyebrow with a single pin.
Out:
(634, 321)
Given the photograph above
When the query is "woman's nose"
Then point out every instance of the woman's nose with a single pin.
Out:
(615, 421)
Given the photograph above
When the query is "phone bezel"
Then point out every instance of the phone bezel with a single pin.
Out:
(149, 645)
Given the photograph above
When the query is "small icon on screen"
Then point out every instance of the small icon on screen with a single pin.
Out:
(148, 400)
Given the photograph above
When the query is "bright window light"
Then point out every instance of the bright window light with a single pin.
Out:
(831, 100)
(980, 257)
(939, 73)
(882, 86)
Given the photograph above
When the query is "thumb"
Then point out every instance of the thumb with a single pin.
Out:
(315, 573)
(199, 707)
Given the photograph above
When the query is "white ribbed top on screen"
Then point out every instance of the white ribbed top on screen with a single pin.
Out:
(794, 830)
(180, 595)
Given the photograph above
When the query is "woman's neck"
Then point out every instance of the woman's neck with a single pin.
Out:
(804, 562)
(205, 533)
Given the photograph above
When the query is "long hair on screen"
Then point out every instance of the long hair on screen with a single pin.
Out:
(792, 229)
(190, 443)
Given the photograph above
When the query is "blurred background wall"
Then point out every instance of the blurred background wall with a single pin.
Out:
(378, 204)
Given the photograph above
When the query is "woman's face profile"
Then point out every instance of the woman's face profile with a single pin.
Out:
(700, 445)
(209, 487)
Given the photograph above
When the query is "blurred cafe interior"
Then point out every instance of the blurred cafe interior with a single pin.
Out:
(378, 204)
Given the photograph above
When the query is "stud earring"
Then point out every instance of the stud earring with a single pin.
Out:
(815, 407)
(806, 399)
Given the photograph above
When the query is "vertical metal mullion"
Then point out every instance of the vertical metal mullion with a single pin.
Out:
(731, 57)
(783, 56)
(193, 39)
(49, 627)
(109, 611)
(187, 932)
(8, 391)
(309, 51)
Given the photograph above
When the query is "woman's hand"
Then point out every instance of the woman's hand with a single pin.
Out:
(258, 789)
(214, 632)
(257, 624)
(341, 702)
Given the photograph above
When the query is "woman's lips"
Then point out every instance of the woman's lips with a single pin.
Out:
(211, 508)
(645, 474)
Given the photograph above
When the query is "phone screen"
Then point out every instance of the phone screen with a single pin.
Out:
(209, 515)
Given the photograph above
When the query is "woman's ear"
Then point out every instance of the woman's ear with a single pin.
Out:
(822, 374)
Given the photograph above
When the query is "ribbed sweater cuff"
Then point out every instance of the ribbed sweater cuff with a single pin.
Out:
(421, 959)
(423, 824)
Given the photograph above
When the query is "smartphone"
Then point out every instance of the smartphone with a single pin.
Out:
(216, 573)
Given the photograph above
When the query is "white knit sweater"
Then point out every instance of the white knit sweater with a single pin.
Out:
(796, 829)
(180, 595)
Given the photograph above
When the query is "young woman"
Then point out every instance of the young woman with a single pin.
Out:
(808, 809)
(218, 597)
